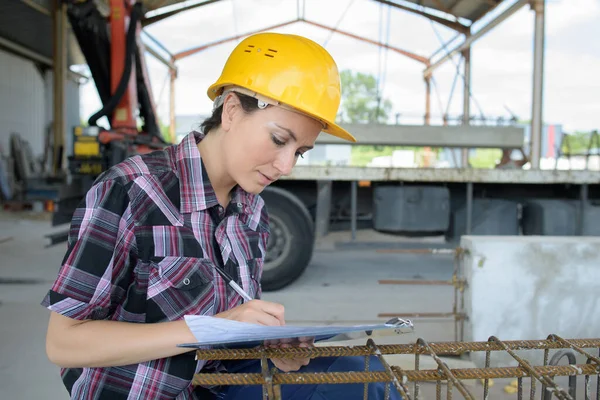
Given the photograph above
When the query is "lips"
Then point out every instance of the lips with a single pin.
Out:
(266, 178)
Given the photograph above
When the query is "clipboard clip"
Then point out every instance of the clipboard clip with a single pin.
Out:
(393, 327)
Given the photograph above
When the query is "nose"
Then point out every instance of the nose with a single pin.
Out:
(284, 162)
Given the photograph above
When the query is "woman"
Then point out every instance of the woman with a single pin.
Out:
(145, 243)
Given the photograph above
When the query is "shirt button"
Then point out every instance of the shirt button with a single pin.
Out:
(186, 281)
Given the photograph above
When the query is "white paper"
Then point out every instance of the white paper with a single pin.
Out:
(211, 331)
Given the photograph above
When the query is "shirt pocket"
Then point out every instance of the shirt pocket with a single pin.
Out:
(251, 271)
(181, 280)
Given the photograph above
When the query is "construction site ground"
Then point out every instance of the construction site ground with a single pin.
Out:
(340, 286)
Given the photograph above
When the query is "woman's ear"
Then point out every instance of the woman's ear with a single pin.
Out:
(231, 107)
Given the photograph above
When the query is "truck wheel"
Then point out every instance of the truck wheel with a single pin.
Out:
(290, 245)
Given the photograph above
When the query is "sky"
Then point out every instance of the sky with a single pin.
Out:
(501, 61)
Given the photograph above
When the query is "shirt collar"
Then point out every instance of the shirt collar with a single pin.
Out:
(196, 191)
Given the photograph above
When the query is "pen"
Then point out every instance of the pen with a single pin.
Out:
(232, 283)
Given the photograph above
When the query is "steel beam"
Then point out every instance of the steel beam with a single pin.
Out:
(24, 52)
(59, 78)
(203, 47)
(443, 175)
(457, 26)
(406, 53)
(466, 101)
(168, 63)
(475, 36)
(156, 17)
(538, 84)
(434, 136)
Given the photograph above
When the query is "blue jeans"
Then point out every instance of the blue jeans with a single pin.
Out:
(348, 391)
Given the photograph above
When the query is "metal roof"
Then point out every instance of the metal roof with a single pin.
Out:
(28, 23)
(471, 10)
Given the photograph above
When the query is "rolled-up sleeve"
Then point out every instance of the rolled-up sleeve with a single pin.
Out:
(97, 269)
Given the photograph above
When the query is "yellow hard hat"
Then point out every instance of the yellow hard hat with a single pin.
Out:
(287, 70)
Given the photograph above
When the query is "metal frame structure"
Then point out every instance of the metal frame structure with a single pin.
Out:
(450, 20)
(459, 15)
(458, 282)
(399, 379)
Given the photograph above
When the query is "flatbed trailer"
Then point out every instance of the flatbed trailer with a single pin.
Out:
(315, 200)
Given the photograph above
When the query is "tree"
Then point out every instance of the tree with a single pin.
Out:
(361, 102)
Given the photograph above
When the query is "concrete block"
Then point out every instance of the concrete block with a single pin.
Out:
(528, 287)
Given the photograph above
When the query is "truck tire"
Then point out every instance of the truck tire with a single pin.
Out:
(290, 245)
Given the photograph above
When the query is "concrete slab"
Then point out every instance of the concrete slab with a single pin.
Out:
(530, 287)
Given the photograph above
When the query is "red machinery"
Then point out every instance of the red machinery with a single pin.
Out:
(115, 56)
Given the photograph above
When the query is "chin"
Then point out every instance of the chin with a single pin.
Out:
(252, 188)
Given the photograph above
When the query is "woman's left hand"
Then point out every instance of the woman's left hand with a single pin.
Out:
(290, 364)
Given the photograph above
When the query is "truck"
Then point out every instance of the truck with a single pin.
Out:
(421, 202)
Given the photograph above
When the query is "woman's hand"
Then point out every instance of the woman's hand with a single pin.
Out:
(290, 364)
(256, 312)
(270, 314)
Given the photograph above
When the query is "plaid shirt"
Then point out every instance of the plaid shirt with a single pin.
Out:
(142, 248)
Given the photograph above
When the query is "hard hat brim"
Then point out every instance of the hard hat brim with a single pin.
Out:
(330, 127)
(338, 131)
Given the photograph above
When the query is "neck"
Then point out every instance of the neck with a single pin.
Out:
(211, 149)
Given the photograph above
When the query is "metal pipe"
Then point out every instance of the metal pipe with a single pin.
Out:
(469, 207)
(427, 100)
(203, 47)
(172, 78)
(466, 101)
(353, 195)
(538, 84)
(406, 53)
(469, 40)
(168, 63)
(59, 78)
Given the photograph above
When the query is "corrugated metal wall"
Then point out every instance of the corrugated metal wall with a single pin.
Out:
(22, 102)
(26, 103)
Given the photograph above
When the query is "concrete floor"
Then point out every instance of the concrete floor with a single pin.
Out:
(340, 286)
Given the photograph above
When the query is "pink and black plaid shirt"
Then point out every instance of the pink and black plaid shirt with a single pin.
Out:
(142, 248)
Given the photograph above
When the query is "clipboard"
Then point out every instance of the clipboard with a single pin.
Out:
(218, 333)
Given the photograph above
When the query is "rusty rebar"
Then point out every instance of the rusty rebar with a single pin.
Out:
(543, 378)
(418, 251)
(455, 316)
(413, 282)
(447, 372)
(432, 375)
(442, 348)
(395, 377)
(573, 346)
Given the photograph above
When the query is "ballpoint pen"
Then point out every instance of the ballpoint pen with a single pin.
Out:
(233, 284)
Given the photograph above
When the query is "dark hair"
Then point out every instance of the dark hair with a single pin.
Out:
(249, 105)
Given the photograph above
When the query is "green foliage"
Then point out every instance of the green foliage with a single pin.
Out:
(485, 158)
(164, 130)
(361, 102)
(579, 142)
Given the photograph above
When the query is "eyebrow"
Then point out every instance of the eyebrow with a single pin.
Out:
(292, 134)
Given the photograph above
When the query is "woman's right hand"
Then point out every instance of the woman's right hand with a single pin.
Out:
(256, 312)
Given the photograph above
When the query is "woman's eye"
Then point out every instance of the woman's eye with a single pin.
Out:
(277, 141)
